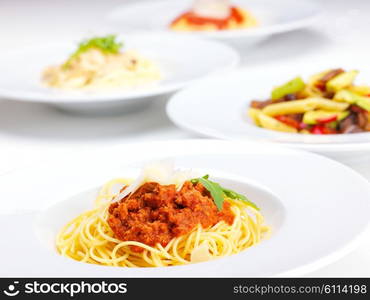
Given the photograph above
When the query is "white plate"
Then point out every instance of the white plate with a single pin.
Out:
(315, 221)
(274, 17)
(222, 102)
(181, 60)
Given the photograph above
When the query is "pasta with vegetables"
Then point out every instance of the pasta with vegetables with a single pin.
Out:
(329, 103)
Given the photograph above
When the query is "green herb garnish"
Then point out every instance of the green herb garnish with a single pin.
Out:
(219, 193)
(107, 44)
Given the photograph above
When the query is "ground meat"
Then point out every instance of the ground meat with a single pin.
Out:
(157, 213)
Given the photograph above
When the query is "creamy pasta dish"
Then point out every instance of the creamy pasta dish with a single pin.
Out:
(100, 63)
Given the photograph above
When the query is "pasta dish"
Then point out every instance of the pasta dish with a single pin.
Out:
(213, 15)
(329, 103)
(99, 63)
(163, 218)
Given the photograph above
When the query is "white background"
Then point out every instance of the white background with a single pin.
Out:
(32, 132)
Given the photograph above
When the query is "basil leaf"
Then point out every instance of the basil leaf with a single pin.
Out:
(107, 44)
(234, 195)
(219, 193)
(215, 190)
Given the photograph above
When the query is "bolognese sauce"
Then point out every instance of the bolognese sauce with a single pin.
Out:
(157, 213)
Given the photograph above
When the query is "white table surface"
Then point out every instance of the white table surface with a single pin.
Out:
(34, 132)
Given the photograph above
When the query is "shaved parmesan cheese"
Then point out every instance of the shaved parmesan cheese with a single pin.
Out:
(217, 9)
(162, 172)
(200, 253)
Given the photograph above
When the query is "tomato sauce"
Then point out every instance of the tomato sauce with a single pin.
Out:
(194, 19)
(158, 213)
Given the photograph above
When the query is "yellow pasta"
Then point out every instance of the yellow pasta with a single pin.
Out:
(302, 106)
(360, 89)
(253, 113)
(270, 123)
(325, 104)
(89, 238)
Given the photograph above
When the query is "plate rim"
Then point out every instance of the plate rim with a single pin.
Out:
(317, 9)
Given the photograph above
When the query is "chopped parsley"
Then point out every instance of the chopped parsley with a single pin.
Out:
(107, 44)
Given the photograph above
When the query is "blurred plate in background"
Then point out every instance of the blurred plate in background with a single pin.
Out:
(273, 16)
(181, 60)
(222, 104)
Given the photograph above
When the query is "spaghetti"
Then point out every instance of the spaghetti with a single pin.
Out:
(89, 237)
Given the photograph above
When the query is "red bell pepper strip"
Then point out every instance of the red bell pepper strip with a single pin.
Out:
(288, 121)
(322, 129)
(327, 120)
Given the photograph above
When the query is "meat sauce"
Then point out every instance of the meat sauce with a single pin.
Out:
(158, 213)
(192, 18)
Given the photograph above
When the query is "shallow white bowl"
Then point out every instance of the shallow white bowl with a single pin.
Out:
(313, 222)
(182, 60)
(50, 221)
(274, 17)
